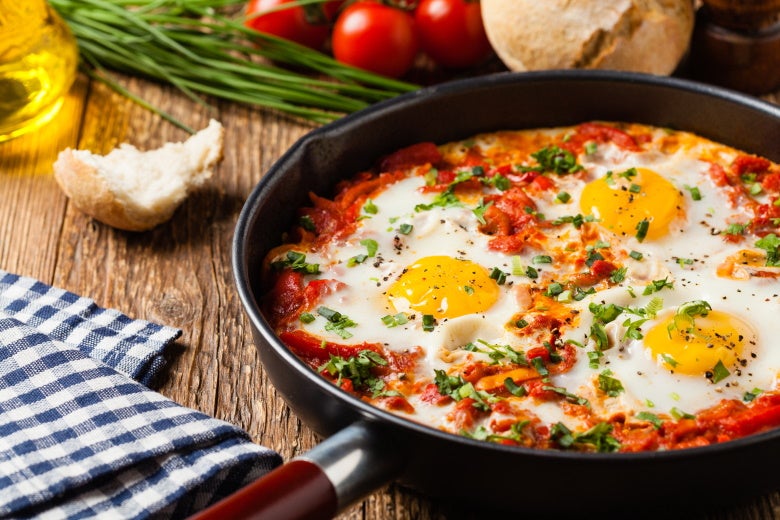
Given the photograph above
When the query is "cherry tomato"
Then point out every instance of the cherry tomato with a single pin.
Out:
(375, 37)
(451, 32)
(290, 23)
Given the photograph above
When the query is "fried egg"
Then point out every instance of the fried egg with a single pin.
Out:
(671, 323)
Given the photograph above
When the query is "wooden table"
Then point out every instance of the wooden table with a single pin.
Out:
(179, 274)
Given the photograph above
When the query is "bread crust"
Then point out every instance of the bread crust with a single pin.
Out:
(91, 193)
(648, 36)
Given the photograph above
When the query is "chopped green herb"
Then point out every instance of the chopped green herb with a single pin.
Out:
(669, 360)
(306, 317)
(573, 398)
(563, 197)
(598, 437)
(694, 191)
(599, 336)
(517, 266)
(307, 223)
(641, 229)
(651, 418)
(337, 322)
(554, 289)
(555, 159)
(513, 388)
(686, 314)
(609, 385)
(719, 372)
(735, 229)
(370, 208)
(605, 312)
(594, 358)
(635, 188)
(405, 229)
(468, 289)
(457, 388)
(479, 211)
(542, 259)
(297, 262)
(429, 322)
(657, 285)
(395, 319)
(521, 323)
(636, 255)
(749, 396)
(771, 244)
(679, 414)
(357, 369)
(498, 275)
(618, 275)
(590, 147)
(532, 273)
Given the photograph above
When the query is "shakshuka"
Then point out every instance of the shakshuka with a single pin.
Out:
(602, 287)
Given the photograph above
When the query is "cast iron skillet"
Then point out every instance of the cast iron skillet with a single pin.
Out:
(366, 447)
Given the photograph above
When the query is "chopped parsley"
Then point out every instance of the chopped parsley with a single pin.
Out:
(686, 314)
(371, 248)
(357, 369)
(307, 317)
(458, 388)
(405, 229)
(651, 418)
(479, 211)
(771, 244)
(636, 255)
(598, 437)
(657, 285)
(297, 262)
(610, 385)
(337, 322)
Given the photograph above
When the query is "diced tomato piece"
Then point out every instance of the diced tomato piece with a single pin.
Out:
(771, 182)
(719, 175)
(312, 348)
(602, 269)
(414, 155)
(398, 403)
(749, 164)
(542, 183)
(286, 296)
(464, 414)
(596, 132)
(431, 394)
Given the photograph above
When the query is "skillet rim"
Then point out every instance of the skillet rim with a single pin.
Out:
(424, 95)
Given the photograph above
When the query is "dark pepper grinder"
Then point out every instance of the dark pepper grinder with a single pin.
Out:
(736, 44)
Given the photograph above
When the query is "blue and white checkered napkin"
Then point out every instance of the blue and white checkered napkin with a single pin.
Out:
(80, 436)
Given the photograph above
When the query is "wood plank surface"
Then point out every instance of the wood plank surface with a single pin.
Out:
(179, 274)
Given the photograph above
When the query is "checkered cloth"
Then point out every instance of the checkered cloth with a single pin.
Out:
(81, 437)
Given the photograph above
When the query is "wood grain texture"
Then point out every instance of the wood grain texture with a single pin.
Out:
(179, 274)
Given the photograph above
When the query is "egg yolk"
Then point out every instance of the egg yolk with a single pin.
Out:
(622, 201)
(695, 347)
(445, 287)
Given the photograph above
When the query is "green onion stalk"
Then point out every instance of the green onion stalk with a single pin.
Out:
(203, 48)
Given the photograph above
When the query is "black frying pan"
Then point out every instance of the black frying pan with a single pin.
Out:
(366, 447)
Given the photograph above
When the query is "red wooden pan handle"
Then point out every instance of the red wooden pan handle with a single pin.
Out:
(297, 490)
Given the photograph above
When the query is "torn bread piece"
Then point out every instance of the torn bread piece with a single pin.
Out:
(137, 190)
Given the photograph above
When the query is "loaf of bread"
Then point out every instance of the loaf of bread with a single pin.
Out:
(138, 190)
(649, 36)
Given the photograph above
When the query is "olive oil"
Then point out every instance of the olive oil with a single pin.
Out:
(38, 58)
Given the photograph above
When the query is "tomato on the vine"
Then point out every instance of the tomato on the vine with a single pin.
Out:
(375, 37)
(309, 28)
(451, 32)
